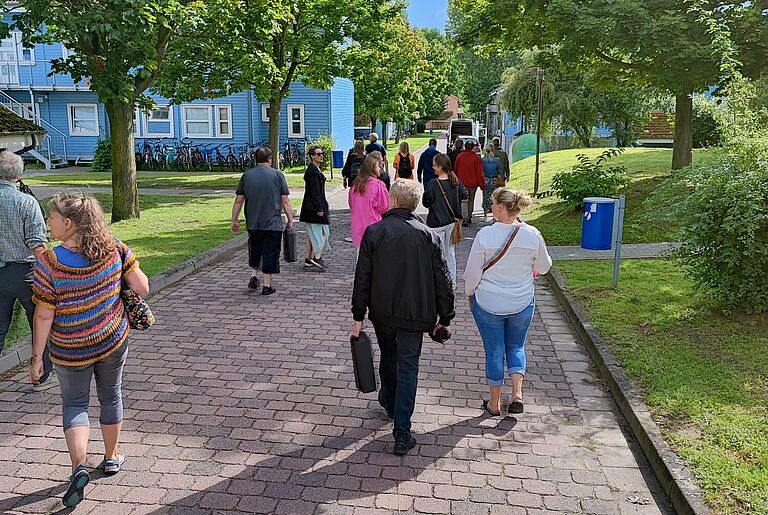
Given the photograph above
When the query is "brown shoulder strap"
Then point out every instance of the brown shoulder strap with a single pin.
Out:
(445, 196)
(503, 251)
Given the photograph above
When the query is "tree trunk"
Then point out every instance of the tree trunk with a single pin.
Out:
(683, 145)
(125, 193)
(373, 124)
(275, 104)
(397, 135)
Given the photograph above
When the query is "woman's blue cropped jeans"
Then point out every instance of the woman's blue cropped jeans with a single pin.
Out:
(504, 337)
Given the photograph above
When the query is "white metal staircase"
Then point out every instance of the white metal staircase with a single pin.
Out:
(53, 150)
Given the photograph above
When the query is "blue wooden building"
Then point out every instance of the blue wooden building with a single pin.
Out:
(75, 120)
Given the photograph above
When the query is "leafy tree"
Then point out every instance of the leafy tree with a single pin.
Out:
(565, 92)
(121, 47)
(266, 45)
(671, 45)
(439, 74)
(394, 75)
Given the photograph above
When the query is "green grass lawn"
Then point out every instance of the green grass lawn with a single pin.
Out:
(560, 225)
(171, 230)
(181, 180)
(704, 376)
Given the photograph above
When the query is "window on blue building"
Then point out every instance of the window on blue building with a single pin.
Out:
(197, 121)
(83, 119)
(159, 122)
(295, 120)
(224, 121)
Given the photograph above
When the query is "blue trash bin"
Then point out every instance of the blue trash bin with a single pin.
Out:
(597, 223)
(338, 159)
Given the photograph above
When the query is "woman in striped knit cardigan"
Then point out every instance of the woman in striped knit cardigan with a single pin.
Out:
(81, 316)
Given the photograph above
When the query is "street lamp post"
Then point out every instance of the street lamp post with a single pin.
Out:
(539, 102)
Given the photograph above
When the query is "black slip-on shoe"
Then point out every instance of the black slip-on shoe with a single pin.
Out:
(515, 407)
(403, 445)
(268, 290)
(253, 283)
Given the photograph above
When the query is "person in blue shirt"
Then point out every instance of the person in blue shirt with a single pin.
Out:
(425, 171)
(491, 169)
(374, 146)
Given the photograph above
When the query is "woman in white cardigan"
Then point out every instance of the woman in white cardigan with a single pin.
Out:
(498, 280)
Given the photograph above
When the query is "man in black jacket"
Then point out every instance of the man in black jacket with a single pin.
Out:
(420, 300)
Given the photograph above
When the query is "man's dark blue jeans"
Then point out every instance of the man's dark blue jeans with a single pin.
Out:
(399, 372)
(16, 284)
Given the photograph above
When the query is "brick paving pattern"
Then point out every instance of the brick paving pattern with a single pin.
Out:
(236, 402)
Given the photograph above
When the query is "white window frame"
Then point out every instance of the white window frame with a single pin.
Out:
(66, 53)
(291, 133)
(70, 118)
(20, 50)
(24, 113)
(147, 119)
(184, 108)
(264, 111)
(136, 121)
(228, 120)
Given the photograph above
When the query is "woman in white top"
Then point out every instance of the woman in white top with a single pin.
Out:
(499, 283)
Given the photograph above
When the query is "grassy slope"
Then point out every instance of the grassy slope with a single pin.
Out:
(704, 376)
(646, 168)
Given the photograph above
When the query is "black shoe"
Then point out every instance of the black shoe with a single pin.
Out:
(308, 263)
(319, 264)
(515, 407)
(253, 283)
(403, 445)
(268, 290)
(465, 223)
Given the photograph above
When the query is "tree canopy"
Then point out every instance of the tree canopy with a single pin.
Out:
(120, 46)
(266, 45)
(665, 44)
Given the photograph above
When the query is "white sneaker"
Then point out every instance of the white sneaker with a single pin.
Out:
(49, 383)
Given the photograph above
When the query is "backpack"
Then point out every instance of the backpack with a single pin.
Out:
(354, 169)
(404, 169)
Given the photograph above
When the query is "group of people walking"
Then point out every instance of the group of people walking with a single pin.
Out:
(499, 277)
(72, 292)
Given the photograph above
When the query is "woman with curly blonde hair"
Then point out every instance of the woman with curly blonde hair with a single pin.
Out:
(81, 316)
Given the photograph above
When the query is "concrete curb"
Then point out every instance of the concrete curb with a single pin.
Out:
(22, 352)
(673, 476)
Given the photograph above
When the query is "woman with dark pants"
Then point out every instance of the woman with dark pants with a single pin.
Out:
(500, 289)
(314, 212)
(77, 294)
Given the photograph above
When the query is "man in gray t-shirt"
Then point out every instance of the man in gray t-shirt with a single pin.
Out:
(264, 191)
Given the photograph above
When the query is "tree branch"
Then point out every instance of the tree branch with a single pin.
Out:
(619, 62)
(163, 39)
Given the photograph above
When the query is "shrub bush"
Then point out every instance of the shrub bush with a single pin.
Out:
(706, 129)
(590, 178)
(724, 212)
(324, 141)
(102, 158)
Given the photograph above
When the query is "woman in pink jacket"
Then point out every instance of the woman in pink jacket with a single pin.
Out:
(368, 199)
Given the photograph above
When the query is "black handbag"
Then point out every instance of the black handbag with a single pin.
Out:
(289, 245)
(362, 362)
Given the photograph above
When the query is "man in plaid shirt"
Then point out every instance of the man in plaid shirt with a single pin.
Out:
(22, 240)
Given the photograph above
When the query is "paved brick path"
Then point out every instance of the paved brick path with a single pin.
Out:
(237, 402)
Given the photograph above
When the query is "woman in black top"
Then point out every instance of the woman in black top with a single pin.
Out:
(314, 212)
(354, 163)
(443, 199)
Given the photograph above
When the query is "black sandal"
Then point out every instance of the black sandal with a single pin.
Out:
(488, 410)
(515, 407)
